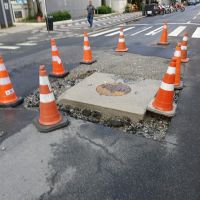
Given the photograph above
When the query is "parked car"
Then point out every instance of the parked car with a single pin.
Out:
(197, 1)
(191, 2)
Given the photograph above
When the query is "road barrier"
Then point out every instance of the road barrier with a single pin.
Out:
(163, 102)
(121, 47)
(184, 44)
(87, 52)
(8, 98)
(177, 56)
(50, 119)
(58, 69)
(164, 36)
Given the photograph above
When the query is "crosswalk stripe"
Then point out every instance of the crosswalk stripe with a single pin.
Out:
(104, 32)
(141, 31)
(117, 32)
(177, 31)
(27, 44)
(154, 32)
(196, 34)
(9, 47)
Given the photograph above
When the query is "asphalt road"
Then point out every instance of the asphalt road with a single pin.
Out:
(87, 161)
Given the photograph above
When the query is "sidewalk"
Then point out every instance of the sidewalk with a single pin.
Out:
(21, 27)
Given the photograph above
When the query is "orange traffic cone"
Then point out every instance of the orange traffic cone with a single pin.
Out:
(177, 56)
(8, 97)
(164, 36)
(87, 52)
(58, 69)
(184, 44)
(163, 101)
(121, 47)
(50, 119)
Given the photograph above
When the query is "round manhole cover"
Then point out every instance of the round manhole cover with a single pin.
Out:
(113, 89)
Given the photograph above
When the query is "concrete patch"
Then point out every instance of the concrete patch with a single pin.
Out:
(132, 105)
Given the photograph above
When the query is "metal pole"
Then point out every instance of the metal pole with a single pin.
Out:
(4, 13)
(11, 11)
(45, 8)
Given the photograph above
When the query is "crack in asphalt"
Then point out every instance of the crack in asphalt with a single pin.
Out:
(102, 147)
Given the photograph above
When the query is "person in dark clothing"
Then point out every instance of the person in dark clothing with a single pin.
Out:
(90, 11)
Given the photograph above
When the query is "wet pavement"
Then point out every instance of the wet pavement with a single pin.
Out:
(88, 161)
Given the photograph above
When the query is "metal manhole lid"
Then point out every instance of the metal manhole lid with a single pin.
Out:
(113, 89)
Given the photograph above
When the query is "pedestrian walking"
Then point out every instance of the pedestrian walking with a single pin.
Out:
(91, 12)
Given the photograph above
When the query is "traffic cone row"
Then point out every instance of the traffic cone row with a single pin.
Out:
(50, 118)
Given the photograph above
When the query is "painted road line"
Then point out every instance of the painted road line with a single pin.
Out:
(1, 43)
(141, 31)
(196, 34)
(177, 31)
(188, 22)
(9, 47)
(104, 32)
(117, 32)
(27, 44)
(154, 32)
(194, 17)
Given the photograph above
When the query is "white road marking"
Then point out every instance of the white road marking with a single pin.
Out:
(196, 34)
(104, 32)
(188, 22)
(117, 32)
(1, 43)
(27, 44)
(177, 31)
(154, 32)
(33, 38)
(9, 47)
(141, 31)
(194, 17)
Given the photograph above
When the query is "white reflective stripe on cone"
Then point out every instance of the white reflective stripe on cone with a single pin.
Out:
(177, 53)
(86, 39)
(56, 59)
(2, 67)
(171, 70)
(9, 92)
(183, 47)
(185, 39)
(45, 81)
(5, 81)
(54, 48)
(165, 26)
(47, 98)
(167, 87)
(121, 33)
(121, 40)
(86, 48)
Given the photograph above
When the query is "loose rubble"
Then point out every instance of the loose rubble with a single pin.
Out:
(152, 127)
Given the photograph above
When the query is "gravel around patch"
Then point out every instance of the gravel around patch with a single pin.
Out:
(127, 66)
